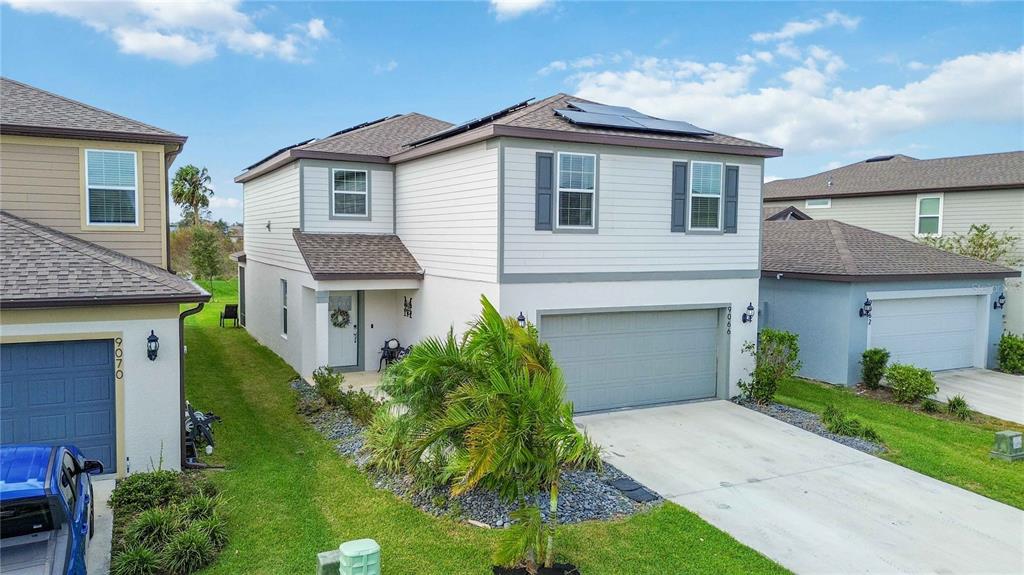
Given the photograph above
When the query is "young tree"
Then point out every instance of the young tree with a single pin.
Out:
(206, 253)
(191, 190)
(979, 242)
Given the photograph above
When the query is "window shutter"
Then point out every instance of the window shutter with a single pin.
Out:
(545, 190)
(732, 197)
(678, 197)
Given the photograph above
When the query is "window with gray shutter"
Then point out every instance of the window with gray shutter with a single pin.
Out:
(545, 190)
(679, 196)
(732, 198)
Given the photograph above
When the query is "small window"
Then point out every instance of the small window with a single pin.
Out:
(349, 194)
(577, 177)
(929, 215)
(284, 308)
(111, 188)
(706, 196)
(818, 203)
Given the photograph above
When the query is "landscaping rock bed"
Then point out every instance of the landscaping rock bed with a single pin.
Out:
(583, 495)
(810, 422)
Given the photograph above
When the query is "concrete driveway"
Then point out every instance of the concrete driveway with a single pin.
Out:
(990, 392)
(97, 556)
(809, 503)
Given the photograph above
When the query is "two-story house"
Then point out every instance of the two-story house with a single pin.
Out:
(91, 326)
(911, 198)
(631, 242)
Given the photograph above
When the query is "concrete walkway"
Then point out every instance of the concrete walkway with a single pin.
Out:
(990, 392)
(809, 503)
(97, 556)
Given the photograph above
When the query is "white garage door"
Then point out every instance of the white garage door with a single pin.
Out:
(935, 332)
(629, 359)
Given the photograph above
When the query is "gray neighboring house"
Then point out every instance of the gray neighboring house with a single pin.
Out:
(909, 198)
(928, 307)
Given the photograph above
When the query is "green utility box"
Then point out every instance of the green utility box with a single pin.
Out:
(359, 557)
(1009, 446)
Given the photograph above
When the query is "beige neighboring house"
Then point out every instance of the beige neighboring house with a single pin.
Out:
(910, 198)
(84, 283)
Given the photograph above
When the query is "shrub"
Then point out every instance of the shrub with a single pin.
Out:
(388, 439)
(776, 358)
(198, 507)
(154, 527)
(135, 560)
(215, 529)
(328, 385)
(873, 362)
(831, 416)
(146, 491)
(1011, 353)
(187, 552)
(908, 383)
(836, 422)
(957, 406)
(359, 404)
(870, 434)
(929, 405)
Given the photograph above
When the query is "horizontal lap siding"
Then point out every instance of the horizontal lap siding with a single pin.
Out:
(274, 198)
(447, 212)
(43, 183)
(316, 197)
(634, 219)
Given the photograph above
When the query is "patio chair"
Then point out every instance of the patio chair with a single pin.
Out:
(230, 313)
(391, 352)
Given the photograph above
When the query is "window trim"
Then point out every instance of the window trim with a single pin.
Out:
(558, 189)
(690, 196)
(284, 307)
(918, 216)
(809, 206)
(85, 190)
(336, 216)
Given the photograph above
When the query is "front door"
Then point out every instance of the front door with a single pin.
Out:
(343, 338)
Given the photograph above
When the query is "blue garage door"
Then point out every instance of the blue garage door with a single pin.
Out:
(60, 392)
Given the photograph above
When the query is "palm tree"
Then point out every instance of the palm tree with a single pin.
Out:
(191, 189)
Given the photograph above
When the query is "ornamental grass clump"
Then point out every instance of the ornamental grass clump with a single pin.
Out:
(957, 407)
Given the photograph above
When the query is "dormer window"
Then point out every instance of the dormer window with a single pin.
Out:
(112, 188)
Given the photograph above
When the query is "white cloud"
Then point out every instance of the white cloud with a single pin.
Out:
(805, 107)
(583, 63)
(223, 202)
(917, 66)
(181, 32)
(390, 66)
(795, 28)
(511, 9)
(788, 50)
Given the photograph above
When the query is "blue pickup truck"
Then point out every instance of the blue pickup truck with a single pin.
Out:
(46, 509)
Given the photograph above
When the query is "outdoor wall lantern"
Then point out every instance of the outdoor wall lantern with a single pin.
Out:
(749, 316)
(865, 310)
(521, 319)
(152, 346)
(1000, 302)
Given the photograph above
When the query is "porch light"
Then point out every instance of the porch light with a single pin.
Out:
(749, 316)
(1000, 302)
(152, 345)
(521, 319)
(865, 310)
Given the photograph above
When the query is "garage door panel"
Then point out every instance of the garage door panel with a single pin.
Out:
(935, 333)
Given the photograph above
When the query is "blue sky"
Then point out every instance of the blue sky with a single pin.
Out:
(831, 83)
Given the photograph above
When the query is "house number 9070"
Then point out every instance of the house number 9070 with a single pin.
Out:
(118, 359)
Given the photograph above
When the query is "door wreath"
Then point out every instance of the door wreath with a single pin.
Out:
(340, 317)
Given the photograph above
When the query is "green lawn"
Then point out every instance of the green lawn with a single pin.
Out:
(291, 496)
(953, 451)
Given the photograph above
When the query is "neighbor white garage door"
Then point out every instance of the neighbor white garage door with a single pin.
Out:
(628, 359)
(935, 332)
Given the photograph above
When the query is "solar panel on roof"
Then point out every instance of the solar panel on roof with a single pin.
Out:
(603, 109)
(467, 126)
(673, 126)
(600, 115)
(592, 119)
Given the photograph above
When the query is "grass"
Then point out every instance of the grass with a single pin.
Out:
(291, 496)
(953, 451)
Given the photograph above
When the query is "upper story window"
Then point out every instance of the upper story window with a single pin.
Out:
(112, 188)
(349, 193)
(818, 203)
(577, 178)
(706, 196)
(929, 216)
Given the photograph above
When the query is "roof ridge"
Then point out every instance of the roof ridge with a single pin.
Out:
(95, 251)
(73, 101)
(387, 120)
(530, 109)
(842, 247)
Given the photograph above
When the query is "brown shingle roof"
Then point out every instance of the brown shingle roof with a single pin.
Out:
(834, 251)
(41, 267)
(27, 110)
(903, 174)
(380, 139)
(787, 213)
(356, 256)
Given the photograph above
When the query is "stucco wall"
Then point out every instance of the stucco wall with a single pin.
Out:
(148, 416)
(263, 310)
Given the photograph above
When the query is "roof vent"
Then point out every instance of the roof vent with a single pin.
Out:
(829, 183)
(880, 159)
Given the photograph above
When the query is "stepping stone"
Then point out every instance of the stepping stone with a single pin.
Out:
(625, 484)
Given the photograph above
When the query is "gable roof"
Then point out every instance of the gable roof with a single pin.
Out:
(356, 256)
(42, 267)
(31, 111)
(899, 174)
(834, 251)
(787, 213)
